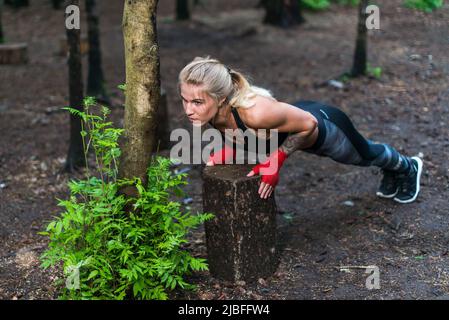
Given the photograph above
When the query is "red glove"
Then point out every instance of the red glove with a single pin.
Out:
(270, 172)
(223, 156)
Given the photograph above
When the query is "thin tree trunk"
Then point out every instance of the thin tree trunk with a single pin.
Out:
(283, 13)
(17, 3)
(56, 4)
(360, 54)
(75, 155)
(95, 79)
(142, 89)
(182, 10)
(2, 39)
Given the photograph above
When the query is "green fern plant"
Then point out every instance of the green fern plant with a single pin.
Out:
(113, 247)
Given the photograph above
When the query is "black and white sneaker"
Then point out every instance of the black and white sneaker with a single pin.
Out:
(408, 185)
(388, 186)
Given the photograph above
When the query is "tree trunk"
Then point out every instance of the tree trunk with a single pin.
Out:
(360, 54)
(17, 3)
(182, 10)
(162, 141)
(142, 89)
(95, 79)
(2, 39)
(75, 155)
(56, 4)
(283, 13)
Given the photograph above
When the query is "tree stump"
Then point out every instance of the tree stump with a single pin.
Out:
(241, 239)
(13, 53)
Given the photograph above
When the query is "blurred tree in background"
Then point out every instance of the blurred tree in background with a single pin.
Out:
(17, 3)
(283, 13)
(182, 10)
(75, 155)
(56, 4)
(2, 39)
(95, 80)
(359, 66)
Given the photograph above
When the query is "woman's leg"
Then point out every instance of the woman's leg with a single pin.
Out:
(344, 144)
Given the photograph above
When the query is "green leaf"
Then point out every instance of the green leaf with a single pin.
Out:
(93, 274)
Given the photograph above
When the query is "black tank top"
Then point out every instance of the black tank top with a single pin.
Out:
(309, 106)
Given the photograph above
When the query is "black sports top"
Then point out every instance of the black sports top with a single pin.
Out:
(309, 106)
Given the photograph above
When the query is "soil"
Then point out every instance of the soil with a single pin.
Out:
(329, 215)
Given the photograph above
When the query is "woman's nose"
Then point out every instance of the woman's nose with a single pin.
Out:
(188, 109)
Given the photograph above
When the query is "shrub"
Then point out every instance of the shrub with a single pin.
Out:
(113, 247)
(424, 5)
(314, 4)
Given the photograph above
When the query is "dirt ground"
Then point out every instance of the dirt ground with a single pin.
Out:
(329, 213)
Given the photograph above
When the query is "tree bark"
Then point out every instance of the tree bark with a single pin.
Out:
(360, 53)
(2, 39)
(162, 128)
(17, 3)
(56, 4)
(182, 10)
(283, 13)
(142, 89)
(95, 78)
(75, 155)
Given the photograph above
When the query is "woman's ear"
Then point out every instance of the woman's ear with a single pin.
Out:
(220, 102)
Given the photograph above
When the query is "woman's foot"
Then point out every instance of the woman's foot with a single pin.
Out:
(408, 184)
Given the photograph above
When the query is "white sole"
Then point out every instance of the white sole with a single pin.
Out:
(420, 165)
(386, 196)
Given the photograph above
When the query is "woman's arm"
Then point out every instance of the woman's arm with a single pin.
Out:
(270, 114)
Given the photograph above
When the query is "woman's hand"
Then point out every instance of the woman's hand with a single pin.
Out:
(223, 156)
(269, 170)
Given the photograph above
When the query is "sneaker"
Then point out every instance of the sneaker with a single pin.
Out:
(409, 184)
(388, 186)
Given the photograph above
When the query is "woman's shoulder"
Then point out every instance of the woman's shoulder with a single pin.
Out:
(256, 115)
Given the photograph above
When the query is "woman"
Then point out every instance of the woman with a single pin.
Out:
(213, 93)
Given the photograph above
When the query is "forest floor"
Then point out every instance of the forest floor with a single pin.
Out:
(330, 216)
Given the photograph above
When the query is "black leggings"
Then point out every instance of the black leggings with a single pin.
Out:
(340, 140)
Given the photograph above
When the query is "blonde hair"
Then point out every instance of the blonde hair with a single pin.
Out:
(221, 82)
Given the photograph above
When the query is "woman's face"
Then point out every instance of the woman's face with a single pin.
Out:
(198, 105)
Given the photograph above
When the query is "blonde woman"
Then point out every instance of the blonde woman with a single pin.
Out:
(214, 93)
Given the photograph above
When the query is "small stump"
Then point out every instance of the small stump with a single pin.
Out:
(241, 239)
(13, 53)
